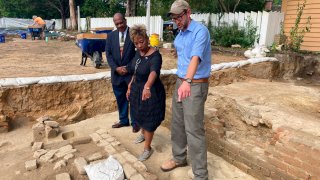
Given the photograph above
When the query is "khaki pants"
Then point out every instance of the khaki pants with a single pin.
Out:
(187, 129)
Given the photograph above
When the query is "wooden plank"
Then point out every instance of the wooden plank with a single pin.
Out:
(311, 48)
(312, 30)
(311, 39)
(303, 21)
(102, 28)
(307, 8)
(295, 2)
(284, 6)
(91, 36)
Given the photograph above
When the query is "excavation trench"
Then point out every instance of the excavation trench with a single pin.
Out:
(235, 126)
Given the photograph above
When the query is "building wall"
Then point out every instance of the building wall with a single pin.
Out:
(311, 39)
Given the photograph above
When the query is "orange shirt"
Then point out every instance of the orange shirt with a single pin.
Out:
(39, 21)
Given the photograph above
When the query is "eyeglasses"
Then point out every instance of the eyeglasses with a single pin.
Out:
(179, 17)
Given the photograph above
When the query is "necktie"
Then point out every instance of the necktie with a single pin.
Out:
(122, 37)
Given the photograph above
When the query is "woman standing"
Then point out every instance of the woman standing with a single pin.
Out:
(146, 92)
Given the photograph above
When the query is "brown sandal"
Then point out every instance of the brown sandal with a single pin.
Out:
(170, 165)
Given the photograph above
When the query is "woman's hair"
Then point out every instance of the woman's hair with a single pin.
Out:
(138, 30)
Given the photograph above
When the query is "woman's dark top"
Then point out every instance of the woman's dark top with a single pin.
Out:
(150, 112)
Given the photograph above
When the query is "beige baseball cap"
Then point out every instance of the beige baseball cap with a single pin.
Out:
(178, 7)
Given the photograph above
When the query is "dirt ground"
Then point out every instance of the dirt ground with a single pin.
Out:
(27, 58)
(246, 100)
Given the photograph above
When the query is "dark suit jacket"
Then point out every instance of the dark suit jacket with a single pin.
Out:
(114, 57)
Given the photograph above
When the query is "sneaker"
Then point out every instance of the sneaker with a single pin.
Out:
(139, 139)
(145, 155)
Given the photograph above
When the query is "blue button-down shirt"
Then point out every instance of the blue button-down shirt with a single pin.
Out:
(195, 41)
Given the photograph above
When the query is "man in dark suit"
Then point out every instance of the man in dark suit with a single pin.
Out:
(119, 51)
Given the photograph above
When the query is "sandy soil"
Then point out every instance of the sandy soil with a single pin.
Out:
(27, 58)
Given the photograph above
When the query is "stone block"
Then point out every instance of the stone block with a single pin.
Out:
(80, 140)
(103, 142)
(63, 176)
(60, 164)
(139, 166)
(51, 132)
(119, 157)
(31, 165)
(46, 157)
(105, 136)
(55, 144)
(95, 137)
(110, 150)
(129, 171)
(137, 177)
(38, 131)
(63, 153)
(53, 124)
(39, 153)
(129, 157)
(111, 139)
(115, 143)
(80, 163)
(44, 118)
(101, 131)
(68, 156)
(94, 157)
(37, 146)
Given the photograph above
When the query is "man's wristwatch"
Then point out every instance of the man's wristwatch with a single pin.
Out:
(188, 80)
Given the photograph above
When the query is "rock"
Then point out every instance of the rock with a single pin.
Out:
(46, 157)
(50, 132)
(236, 46)
(60, 164)
(44, 118)
(52, 124)
(39, 153)
(94, 157)
(38, 132)
(68, 156)
(31, 165)
(129, 171)
(80, 163)
(37, 145)
(80, 140)
(63, 176)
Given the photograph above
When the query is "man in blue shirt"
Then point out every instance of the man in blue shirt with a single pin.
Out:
(194, 64)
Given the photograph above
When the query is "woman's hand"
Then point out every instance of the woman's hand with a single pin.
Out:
(146, 94)
(128, 94)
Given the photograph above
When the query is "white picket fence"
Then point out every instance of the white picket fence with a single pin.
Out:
(268, 23)
(156, 23)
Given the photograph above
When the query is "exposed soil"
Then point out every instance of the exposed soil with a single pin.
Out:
(251, 108)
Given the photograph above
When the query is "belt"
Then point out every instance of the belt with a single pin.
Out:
(202, 80)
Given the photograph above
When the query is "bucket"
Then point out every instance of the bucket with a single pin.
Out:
(2, 38)
(154, 40)
(23, 35)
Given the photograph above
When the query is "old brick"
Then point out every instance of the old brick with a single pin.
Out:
(110, 150)
(44, 118)
(241, 166)
(38, 131)
(46, 157)
(63, 176)
(55, 144)
(101, 131)
(139, 166)
(129, 171)
(80, 163)
(95, 137)
(285, 149)
(80, 140)
(31, 165)
(129, 157)
(39, 153)
(94, 157)
(68, 156)
(37, 146)
(137, 177)
(297, 172)
(52, 124)
(279, 164)
(60, 164)
(119, 157)
(50, 132)
(105, 136)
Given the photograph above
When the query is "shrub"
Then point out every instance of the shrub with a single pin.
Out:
(226, 35)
